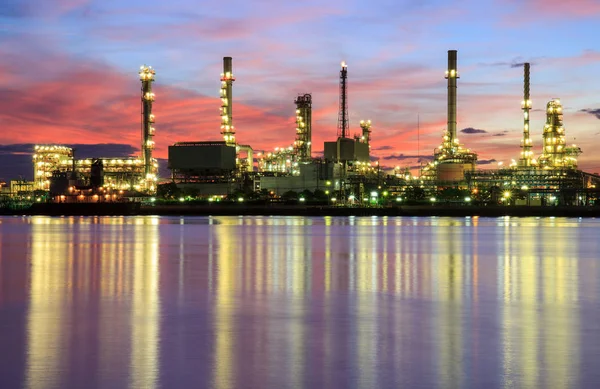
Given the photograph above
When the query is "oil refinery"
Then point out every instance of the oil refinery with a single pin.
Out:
(55, 167)
(345, 172)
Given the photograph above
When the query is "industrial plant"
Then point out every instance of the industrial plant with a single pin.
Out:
(57, 171)
(345, 172)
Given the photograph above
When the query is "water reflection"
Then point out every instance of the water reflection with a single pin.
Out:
(274, 302)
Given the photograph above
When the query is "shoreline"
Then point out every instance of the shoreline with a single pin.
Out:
(133, 209)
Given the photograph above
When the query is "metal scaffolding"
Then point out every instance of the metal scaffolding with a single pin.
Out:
(226, 94)
(302, 145)
(343, 125)
(147, 74)
(526, 153)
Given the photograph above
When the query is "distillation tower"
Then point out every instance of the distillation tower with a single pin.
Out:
(302, 145)
(526, 154)
(555, 153)
(227, 80)
(146, 74)
(342, 125)
(451, 76)
(451, 160)
(365, 126)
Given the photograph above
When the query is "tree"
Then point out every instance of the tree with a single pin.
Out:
(290, 195)
(168, 191)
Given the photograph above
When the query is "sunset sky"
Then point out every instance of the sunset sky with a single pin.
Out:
(68, 72)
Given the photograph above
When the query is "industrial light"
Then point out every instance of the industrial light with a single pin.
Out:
(432, 199)
(468, 199)
(398, 199)
(181, 199)
(301, 199)
(373, 194)
(241, 199)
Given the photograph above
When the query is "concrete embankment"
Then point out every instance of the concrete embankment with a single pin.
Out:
(437, 210)
(129, 209)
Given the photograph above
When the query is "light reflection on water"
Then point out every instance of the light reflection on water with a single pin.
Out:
(274, 302)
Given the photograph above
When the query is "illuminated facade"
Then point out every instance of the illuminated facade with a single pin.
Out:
(48, 159)
(129, 173)
(119, 173)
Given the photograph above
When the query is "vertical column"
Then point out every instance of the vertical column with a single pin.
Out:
(147, 77)
(303, 127)
(227, 80)
(451, 76)
(343, 111)
(365, 125)
(526, 153)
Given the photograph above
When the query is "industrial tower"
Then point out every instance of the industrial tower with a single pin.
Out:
(553, 152)
(451, 160)
(365, 126)
(302, 145)
(227, 80)
(451, 76)
(146, 74)
(526, 153)
(342, 126)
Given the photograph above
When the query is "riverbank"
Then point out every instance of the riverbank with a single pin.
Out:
(417, 210)
(131, 209)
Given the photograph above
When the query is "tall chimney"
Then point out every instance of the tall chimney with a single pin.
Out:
(452, 75)
(526, 153)
(227, 80)
(147, 74)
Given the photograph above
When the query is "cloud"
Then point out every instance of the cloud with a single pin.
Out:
(486, 161)
(402, 157)
(471, 130)
(554, 9)
(500, 134)
(595, 112)
(383, 148)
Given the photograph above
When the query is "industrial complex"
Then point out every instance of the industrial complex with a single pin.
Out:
(345, 171)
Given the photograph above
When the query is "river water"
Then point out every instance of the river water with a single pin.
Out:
(295, 302)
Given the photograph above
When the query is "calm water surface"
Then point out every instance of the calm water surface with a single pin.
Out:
(293, 302)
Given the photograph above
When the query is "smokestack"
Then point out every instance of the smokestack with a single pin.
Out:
(526, 153)
(452, 75)
(227, 79)
(147, 74)
(526, 80)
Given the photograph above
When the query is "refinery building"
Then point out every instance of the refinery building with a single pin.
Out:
(59, 163)
(225, 167)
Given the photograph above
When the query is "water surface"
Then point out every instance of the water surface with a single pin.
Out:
(294, 302)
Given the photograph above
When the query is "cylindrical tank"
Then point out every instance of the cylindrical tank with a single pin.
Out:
(453, 171)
